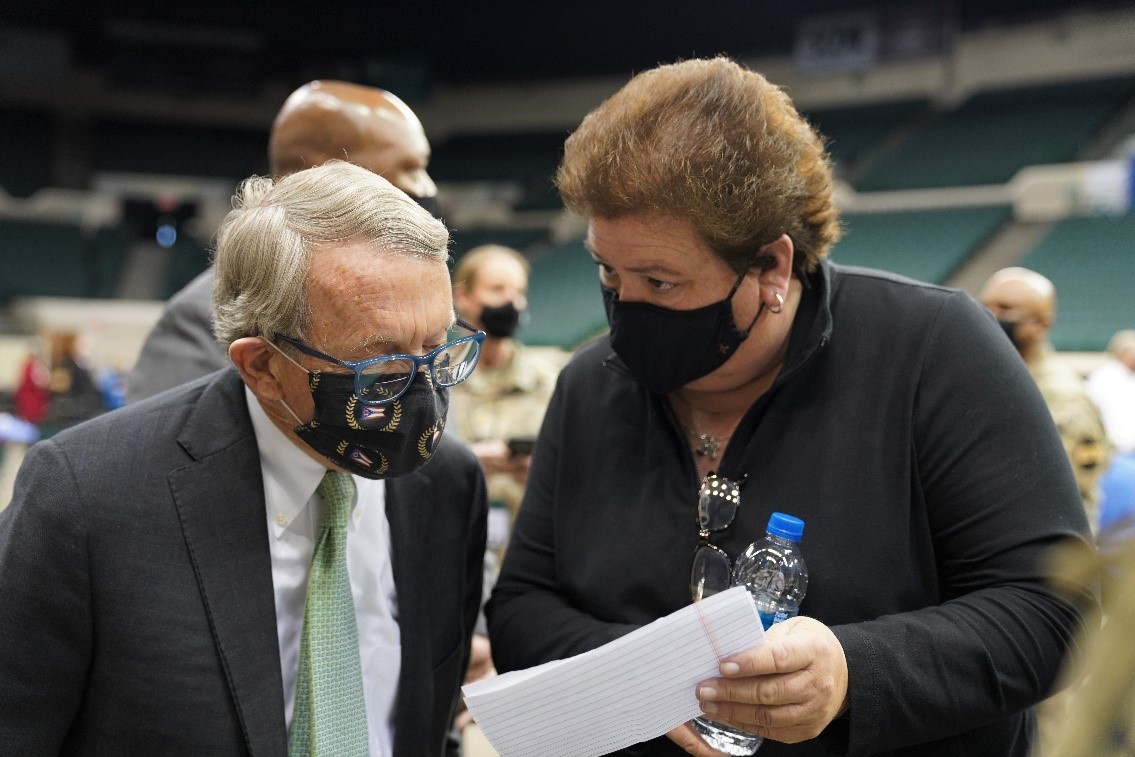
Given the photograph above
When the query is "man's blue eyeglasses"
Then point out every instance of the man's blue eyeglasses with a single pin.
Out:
(379, 380)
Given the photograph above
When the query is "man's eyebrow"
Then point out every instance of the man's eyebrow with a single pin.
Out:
(373, 344)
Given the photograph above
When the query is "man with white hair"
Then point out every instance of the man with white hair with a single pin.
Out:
(261, 561)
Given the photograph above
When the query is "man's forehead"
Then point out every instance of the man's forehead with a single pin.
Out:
(378, 295)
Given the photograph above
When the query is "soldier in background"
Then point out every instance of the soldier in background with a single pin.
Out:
(499, 409)
(1024, 303)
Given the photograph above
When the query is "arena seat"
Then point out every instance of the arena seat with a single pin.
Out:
(179, 150)
(563, 298)
(43, 259)
(25, 152)
(110, 247)
(1091, 260)
(522, 157)
(851, 131)
(188, 257)
(927, 245)
(461, 241)
(992, 135)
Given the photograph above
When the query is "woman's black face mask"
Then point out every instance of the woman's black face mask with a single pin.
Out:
(666, 349)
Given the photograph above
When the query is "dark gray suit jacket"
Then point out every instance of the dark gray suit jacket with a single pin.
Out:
(136, 605)
(181, 346)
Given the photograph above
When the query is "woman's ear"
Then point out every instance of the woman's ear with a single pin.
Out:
(776, 274)
(252, 357)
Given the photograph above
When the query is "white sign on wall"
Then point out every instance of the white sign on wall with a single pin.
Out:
(838, 42)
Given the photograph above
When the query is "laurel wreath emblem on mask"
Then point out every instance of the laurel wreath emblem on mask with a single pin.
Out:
(394, 421)
(313, 380)
(424, 439)
(351, 413)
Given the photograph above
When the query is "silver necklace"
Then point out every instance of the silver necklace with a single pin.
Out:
(707, 445)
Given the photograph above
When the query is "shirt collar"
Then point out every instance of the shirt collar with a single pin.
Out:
(291, 473)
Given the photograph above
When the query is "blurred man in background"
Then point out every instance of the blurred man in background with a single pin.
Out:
(1112, 388)
(319, 121)
(1024, 303)
(498, 411)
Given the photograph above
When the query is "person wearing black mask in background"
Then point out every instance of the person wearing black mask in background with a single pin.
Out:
(498, 411)
(320, 121)
(1024, 304)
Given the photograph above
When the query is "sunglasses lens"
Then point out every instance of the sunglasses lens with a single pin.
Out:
(718, 500)
(710, 572)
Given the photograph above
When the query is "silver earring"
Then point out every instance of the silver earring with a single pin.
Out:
(779, 302)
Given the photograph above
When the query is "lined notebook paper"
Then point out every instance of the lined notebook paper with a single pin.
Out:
(636, 688)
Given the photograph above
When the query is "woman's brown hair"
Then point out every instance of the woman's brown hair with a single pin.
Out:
(711, 143)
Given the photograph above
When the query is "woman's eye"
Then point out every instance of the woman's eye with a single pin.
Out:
(661, 286)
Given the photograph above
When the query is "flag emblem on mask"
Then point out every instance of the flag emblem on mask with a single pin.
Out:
(360, 458)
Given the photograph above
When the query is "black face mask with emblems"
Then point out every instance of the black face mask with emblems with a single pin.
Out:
(374, 441)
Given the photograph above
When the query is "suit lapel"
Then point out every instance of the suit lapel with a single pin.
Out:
(220, 501)
(408, 504)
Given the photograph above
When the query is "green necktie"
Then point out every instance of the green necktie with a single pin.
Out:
(329, 716)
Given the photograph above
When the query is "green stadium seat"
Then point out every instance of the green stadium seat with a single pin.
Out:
(1091, 261)
(39, 259)
(521, 240)
(993, 135)
(25, 152)
(179, 150)
(187, 259)
(526, 157)
(110, 246)
(851, 131)
(563, 298)
(928, 245)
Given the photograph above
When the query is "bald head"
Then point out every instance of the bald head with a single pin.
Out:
(1025, 303)
(363, 125)
(1122, 347)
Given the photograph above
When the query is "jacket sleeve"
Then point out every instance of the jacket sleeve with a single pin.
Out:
(996, 484)
(181, 346)
(45, 625)
(530, 619)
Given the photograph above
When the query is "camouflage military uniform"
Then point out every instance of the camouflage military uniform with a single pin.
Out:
(1099, 715)
(504, 402)
(1078, 421)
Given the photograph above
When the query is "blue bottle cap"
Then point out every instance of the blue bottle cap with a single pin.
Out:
(785, 526)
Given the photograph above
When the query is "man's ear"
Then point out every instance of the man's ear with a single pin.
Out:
(252, 357)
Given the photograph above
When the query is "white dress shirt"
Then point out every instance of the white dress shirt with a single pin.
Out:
(1112, 388)
(292, 511)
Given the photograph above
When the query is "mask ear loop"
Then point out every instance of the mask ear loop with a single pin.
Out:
(292, 360)
(287, 357)
(733, 291)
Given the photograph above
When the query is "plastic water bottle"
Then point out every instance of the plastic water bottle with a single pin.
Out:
(773, 571)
